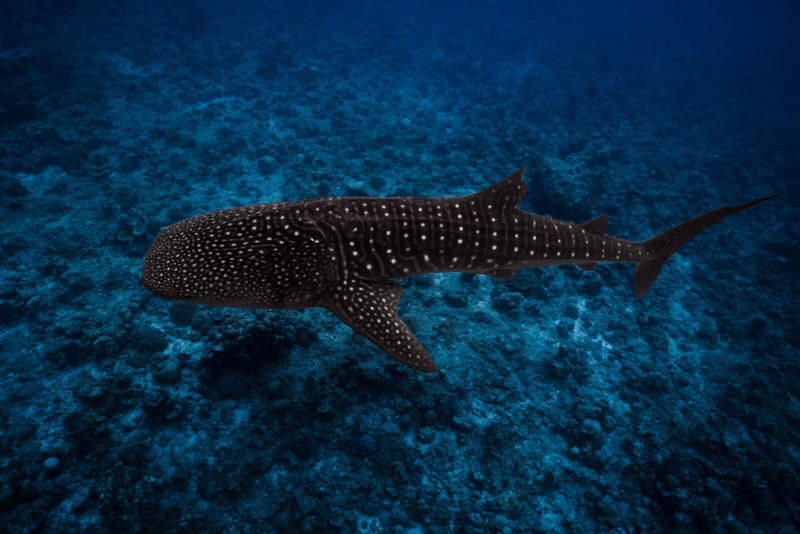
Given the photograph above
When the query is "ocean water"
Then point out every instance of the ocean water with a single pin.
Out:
(563, 404)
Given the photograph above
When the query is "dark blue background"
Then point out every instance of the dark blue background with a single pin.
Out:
(563, 404)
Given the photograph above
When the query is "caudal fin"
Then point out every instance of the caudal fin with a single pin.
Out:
(661, 247)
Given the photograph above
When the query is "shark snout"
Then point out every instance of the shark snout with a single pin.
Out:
(160, 270)
(152, 277)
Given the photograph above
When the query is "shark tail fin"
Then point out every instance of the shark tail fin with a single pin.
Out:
(661, 247)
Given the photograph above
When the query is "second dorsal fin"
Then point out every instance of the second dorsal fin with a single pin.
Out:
(597, 225)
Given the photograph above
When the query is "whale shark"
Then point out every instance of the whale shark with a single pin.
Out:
(345, 253)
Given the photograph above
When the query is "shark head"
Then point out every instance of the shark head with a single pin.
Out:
(246, 257)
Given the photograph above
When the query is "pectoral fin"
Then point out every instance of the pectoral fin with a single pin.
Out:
(370, 309)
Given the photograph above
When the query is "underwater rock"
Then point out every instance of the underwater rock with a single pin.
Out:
(274, 389)
(69, 353)
(706, 330)
(356, 188)
(653, 383)
(267, 165)
(325, 410)
(529, 283)
(303, 444)
(734, 526)
(558, 366)
(168, 373)
(423, 280)
(593, 433)
(368, 525)
(100, 161)
(89, 389)
(150, 340)
(129, 163)
(233, 383)
(590, 286)
(86, 434)
(564, 329)
(431, 417)
(366, 444)
(9, 313)
(14, 114)
(79, 501)
(156, 403)
(182, 313)
(446, 332)
(75, 425)
(8, 497)
(104, 346)
(52, 466)
(426, 434)
(202, 322)
(507, 302)
(670, 482)
(305, 335)
(12, 188)
(457, 298)
(757, 325)
(510, 344)
(55, 206)
(483, 317)
(71, 157)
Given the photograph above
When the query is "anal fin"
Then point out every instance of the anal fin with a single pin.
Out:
(500, 274)
(370, 309)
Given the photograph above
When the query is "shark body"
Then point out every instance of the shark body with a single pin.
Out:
(343, 253)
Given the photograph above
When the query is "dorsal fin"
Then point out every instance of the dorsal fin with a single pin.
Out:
(505, 195)
(596, 225)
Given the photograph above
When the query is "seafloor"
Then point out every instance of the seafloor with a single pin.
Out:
(563, 404)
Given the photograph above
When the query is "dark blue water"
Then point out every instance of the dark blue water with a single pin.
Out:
(563, 404)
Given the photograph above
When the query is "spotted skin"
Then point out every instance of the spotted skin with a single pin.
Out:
(343, 253)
